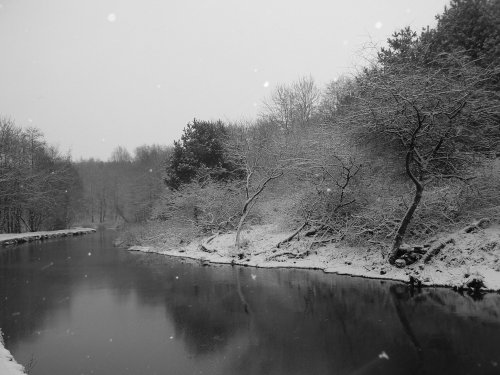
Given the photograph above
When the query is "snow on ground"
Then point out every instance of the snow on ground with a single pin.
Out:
(15, 238)
(8, 365)
(467, 256)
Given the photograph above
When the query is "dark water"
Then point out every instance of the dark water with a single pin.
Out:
(79, 306)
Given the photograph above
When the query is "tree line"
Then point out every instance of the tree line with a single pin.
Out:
(124, 188)
(39, 187)
(403, 148)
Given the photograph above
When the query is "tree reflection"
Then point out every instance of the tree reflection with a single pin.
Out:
(256, 321)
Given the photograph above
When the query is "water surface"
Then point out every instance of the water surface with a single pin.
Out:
(80, 306)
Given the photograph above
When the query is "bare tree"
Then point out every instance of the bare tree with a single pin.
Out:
(120, 155)
(307, 97)
(436, 114)
(292, 105)
(279, 108)
(261, 160)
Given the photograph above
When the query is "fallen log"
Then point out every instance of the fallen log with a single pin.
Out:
(292, 236)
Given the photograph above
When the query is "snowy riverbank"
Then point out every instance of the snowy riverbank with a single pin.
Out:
(461, 258)
(8, 365)
(7, 239)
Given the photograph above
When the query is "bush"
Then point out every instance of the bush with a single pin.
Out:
(210, 206)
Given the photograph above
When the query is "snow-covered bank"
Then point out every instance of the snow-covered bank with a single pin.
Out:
(17, 238)
(474, 255)
(8, 365)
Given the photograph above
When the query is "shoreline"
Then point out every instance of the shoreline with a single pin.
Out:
(8, 365)
(455, 267)
(11, 239)
(205, 261)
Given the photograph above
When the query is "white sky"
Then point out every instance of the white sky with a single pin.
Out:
(95, 74)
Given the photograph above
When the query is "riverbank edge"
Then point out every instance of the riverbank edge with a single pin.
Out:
(8, 365)
(348, 261)
(10, 239)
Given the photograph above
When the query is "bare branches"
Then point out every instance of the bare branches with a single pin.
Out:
(292, 105)
(436, 111)
(36, 184)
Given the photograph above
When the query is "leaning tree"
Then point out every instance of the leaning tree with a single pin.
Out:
(434, 111)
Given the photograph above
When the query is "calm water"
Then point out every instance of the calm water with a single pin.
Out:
(80, 306)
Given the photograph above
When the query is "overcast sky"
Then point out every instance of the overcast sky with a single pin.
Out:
(95, 74)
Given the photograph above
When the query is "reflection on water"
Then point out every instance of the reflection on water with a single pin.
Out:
(79, 306)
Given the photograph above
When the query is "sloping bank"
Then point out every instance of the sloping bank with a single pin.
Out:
(7, 239)
(8, 365)
(459, 259)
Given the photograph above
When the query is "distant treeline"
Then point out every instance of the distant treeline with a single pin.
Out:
(124, 188)
(39, 188)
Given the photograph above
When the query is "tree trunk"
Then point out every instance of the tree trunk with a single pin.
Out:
(419, 189)
(398, 240)
(249, 204)
(238, 230)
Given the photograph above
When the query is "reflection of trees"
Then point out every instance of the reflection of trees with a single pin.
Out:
(400, 294)
(295, 322)
(204, 305)
(27, 292)
(304, 322)
(37, 279)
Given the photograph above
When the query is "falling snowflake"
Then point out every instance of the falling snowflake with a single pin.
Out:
(266, 84)
(254, 277)
(378, 25)
(255, 70)
(111, 17)
(383, 355)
